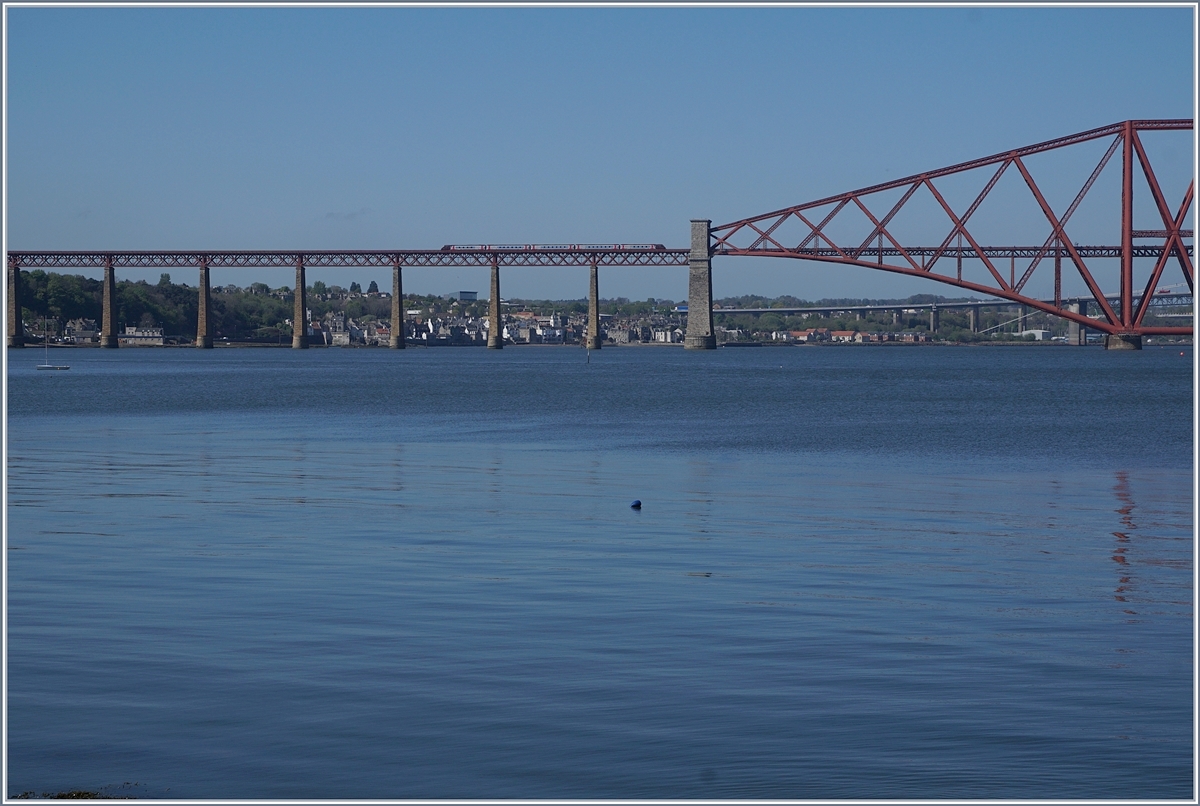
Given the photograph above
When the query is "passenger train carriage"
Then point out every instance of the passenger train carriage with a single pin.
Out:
(557, 247)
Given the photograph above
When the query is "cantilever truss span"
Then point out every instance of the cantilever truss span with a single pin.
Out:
(859, 228)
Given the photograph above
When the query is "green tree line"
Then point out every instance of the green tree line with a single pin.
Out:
(261, 312)
(254, 312)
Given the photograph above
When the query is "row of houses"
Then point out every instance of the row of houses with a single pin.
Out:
(644, 334)
(336, 329)
(814, 335)
(520, 327)
(75, 331)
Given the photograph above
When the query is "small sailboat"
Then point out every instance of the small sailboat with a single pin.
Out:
(46, 340)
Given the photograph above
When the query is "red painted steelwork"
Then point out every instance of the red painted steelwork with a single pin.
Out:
(757, 236)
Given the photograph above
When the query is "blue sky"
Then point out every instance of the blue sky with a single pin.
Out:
(376, 128)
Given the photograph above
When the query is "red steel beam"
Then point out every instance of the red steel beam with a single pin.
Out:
(1127, 226)
(1092, 285)
(970, 210)
(1032, 302)
(958, 226)
(1163, 210)
(883, 222)
(1049, 145)
(882, 231)
(1124, 320)
(1070, 210)
(1172, 240)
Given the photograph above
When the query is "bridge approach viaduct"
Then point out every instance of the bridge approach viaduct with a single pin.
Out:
(804, 232)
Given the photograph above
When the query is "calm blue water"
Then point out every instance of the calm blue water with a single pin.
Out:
(858, 573)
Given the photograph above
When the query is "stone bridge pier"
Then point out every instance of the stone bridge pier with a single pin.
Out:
(1076, 333)
(1123, 341)
(299, 311)
(204, 339)
(396, 341)
(593, 326)
(700, 335)
(16, 329)
(108, 308)
(495, 339)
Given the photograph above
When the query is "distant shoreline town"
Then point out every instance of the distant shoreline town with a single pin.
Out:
(65, 310)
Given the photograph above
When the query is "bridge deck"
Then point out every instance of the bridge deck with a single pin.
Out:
(217, 259)
(581, 256)
(968, 253)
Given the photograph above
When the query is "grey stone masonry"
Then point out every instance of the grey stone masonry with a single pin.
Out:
(299, 311)
(108, 323)
(934, 320)
(396, 341)
(495, 339)
(203, 328)
(593, 324)
(700, 335)
(16, 329)
(975, 319)
(1122, 341)
(1076, 335)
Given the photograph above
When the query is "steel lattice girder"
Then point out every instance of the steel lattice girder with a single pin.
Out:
(388, 258)
(920, 261)
(825, 253)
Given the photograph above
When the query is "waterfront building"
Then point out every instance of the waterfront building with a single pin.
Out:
(81, 331)
(141, 337)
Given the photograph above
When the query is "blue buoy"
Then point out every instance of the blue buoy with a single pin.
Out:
(636, 505)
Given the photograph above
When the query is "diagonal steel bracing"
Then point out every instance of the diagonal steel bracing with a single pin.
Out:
(882, 249)
(454, 256)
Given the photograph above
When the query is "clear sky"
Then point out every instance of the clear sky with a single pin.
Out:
(404, 127)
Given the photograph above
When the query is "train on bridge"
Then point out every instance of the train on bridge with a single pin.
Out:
(804, 232)
(553, 247)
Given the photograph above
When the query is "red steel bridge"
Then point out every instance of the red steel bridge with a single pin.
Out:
(859, 228)
(863, 228)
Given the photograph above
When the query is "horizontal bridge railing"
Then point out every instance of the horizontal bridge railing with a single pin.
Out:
(870, 252)
(485, 258)
(458, 256)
